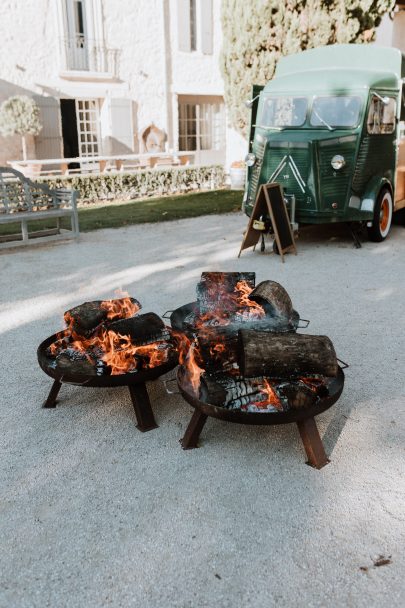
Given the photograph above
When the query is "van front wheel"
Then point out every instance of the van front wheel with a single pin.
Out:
(382, 219)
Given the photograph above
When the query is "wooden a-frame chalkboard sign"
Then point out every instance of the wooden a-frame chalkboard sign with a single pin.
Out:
(270, 202)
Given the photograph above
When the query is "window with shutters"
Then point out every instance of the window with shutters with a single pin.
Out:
(195, 26)
(201, 123)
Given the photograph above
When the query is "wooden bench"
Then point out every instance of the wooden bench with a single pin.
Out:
(22, 200)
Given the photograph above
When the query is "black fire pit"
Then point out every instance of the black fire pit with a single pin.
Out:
(135, 381)
(178, 316)
(304, 417)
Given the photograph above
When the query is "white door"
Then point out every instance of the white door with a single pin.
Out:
(77, 46)
(88, 127)
(48, 144)
(202, 128)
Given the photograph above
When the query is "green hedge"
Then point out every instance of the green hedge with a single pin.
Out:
(151, 182)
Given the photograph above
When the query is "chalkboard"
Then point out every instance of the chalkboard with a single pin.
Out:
(270, 202)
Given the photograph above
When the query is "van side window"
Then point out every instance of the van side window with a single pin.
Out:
(381, 118)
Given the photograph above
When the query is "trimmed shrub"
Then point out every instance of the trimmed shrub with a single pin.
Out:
(142, 184)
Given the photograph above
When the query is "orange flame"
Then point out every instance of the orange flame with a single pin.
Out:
(120, 354)
(120, 309)
(187, 357)
(271, 397)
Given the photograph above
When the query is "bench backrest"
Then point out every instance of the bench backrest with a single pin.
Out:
(18, 193)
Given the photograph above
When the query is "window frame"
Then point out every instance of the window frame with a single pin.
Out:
(381, 105)
(336, 127)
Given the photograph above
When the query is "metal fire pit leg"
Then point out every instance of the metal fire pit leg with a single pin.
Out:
(312, 443)
(53, 393)
(193, 431)
(143, 409)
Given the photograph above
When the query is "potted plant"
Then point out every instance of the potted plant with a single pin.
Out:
(237, 174)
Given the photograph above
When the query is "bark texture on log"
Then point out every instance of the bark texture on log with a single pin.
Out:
(285, 355)
(142, 329)
(274, 299)
(83, 319)
(72, 362)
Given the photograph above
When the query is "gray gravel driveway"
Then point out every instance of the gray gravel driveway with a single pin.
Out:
(94, 513)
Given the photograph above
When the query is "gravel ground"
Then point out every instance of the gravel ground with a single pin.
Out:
(95, 513)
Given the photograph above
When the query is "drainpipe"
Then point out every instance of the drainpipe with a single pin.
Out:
(167, 72)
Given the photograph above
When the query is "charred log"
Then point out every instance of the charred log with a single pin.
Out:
(142, 329)
(75, 363)
(213, 286)
(218, 348)
(285, 355)
(83, 319)
(235, 392)
(273, 298)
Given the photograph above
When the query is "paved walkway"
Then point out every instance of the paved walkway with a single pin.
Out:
(94, 513)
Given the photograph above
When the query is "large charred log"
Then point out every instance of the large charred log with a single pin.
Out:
(273, 298)
(142, 329)
(213, 286)
(83, 319)
(285, 355)
(75, 363)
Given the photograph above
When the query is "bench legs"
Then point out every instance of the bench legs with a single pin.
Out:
(24, 230)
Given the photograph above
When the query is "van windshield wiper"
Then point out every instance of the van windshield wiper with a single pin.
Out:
(322, 120)
(269, 128)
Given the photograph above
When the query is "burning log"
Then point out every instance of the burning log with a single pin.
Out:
(83, 319)
(285, 355)
(218, 347)
(214, 285)
(72, 362)
(273, 298)
(143, 329)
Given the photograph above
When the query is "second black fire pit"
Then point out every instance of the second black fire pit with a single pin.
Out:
(304, 416)
(136, 382)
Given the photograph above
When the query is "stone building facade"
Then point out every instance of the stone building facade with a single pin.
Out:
(117, 77)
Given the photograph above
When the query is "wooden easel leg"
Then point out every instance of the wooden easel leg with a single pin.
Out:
(312, 443)
(53, 393)
(143, 409)
(193, 431)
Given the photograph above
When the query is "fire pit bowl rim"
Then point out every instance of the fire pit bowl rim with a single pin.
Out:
(177, 316)
(293, 415)
(100, 381)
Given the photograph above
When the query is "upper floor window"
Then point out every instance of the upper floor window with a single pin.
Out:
(195, 25)
(77, 44)
(381, 116)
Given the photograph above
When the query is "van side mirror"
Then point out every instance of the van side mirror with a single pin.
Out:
(249, 102)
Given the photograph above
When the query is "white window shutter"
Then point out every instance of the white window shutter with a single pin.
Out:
(48, 144)
(183, 25)
(206, 27)
(117, 126)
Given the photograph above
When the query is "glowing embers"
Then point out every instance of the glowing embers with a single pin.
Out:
(109, 338)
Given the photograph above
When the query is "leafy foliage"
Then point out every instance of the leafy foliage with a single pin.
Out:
(126, 186)
(256, 34)
(19, 115)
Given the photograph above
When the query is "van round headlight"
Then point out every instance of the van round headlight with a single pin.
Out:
(338, 162)
(250, 159)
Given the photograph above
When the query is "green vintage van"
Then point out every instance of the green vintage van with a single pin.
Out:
(327, 127)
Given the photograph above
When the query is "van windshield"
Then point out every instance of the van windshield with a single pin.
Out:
(336, 111)
(284, 111)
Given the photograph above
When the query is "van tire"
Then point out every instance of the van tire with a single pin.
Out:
(382, 220)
